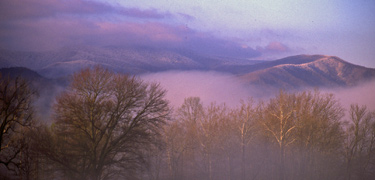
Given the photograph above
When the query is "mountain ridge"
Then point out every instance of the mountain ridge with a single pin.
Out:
(326, 71)
(289, 72)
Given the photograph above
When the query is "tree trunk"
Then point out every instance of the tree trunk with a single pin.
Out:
(230, 167)
(243, 172)
(209, 167)
(282, 163)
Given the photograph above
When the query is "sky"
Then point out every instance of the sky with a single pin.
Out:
(252, 29)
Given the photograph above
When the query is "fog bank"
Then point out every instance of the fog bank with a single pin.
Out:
(219, 87)
(363, 94)
(209, 86)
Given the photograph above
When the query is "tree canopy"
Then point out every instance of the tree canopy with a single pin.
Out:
(103, 123)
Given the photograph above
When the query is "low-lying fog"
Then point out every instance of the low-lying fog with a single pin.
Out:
(363, 94)
(226, 88)
(209, 86)
(219, 87)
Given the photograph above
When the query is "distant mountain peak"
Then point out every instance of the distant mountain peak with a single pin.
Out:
(310, 71)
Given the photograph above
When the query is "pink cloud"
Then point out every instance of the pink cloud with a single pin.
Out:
(37, 25)
(56, 32)
(274, 47)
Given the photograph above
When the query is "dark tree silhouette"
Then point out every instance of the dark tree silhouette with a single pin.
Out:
(102, 125)
(16, 116)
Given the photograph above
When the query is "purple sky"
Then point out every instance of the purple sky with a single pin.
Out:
(254, 29)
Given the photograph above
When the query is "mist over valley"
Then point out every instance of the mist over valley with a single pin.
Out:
(213, 79)
(180, 90)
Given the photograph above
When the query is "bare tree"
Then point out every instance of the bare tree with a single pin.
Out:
(177, 144)
(246, 128)
(319, 135)
(102, 123)
(200, 135)
(188, 117)
(277, 120)
(16, 116)
(209, 135)
(155, 157)
(360, 143)
(227, 142)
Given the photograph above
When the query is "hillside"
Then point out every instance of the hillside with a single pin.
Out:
(23, 72)
(309, 71)
(244, 69)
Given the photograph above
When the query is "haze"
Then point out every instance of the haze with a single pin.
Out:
(226, 88)
(209, 86)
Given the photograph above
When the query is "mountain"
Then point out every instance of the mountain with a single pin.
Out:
(62, 62)
(308, 71)
(243, 69)
(290, 73)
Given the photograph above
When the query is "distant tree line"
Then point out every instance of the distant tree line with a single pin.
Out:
(114, 126)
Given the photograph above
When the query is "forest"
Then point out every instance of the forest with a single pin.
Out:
(107, 125)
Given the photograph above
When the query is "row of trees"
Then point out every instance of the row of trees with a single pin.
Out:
(291, 136)
(112, 126)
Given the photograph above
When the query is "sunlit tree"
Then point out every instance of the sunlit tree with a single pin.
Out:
(278, 121)
(244, 118)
